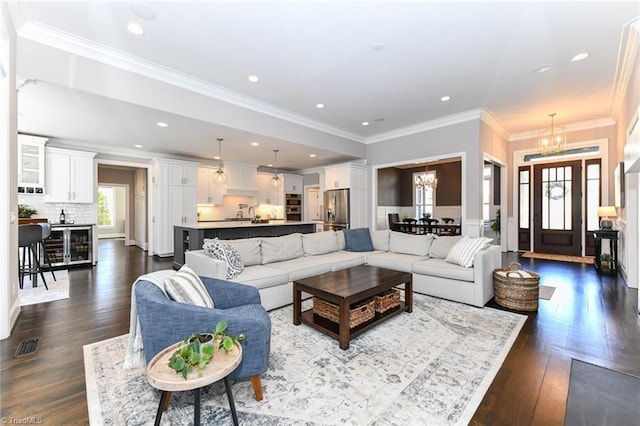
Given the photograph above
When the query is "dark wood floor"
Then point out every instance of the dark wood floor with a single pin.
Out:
(589, 317)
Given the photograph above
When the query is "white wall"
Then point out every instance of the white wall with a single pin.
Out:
(9, 302)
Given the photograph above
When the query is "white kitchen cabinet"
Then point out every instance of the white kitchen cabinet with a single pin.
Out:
(267, 193)
(209, 192)
(174, 201)
(31, 164)
(338, 177)
(242, 179)
(69, 176)
(292, 184)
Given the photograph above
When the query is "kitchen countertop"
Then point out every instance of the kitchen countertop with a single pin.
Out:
(243, 224)
(69, 225)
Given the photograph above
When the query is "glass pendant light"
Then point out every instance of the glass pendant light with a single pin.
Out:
(220, 177)
(276, 182)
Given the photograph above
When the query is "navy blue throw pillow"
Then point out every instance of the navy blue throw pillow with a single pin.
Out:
(357, 239)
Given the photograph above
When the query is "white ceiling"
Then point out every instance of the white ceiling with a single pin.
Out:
(480, 53)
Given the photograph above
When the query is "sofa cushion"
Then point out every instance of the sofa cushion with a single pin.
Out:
(249, 250)
(463, 252)
(441, 245)
(260, 277)
(358, 239)
(440, 268)
(278, 249)
(226, 253)
(185, 286)
(344, 259)
(380, 240)
(302, 267)
(342, 244)
(395, 261)
(319, 243)
(409, 244)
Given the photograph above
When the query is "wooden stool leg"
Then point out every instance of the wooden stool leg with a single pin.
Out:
(196, 407)
(166, 401)
(257, 387)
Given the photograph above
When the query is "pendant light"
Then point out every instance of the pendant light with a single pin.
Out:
(426, 179)
(552, 140)
(276, 182)
(220, 177)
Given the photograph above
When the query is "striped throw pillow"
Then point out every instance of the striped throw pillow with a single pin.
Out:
(185, 286)
(463, 252)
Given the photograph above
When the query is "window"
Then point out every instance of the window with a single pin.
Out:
(487, 193)
(106, 196)
(424, 197)
(524, 196)
(593, 195)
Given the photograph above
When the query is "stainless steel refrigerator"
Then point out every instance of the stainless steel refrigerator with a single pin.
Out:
(336, 209)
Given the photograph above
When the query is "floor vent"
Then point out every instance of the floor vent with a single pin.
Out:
(27, 347)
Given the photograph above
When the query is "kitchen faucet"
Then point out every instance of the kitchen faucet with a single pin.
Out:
(251, 216)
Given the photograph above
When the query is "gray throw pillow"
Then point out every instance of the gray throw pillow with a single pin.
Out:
(358, 239)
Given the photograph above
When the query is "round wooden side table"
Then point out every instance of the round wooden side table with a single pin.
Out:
(162, 377)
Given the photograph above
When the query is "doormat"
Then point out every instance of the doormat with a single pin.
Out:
(599, 396)
(560, 257)
(546, 291)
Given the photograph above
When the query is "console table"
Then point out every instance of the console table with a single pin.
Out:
(612, 236)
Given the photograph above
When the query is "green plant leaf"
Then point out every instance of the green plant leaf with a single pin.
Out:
(207, 349)
(221, 326)
(227, 343)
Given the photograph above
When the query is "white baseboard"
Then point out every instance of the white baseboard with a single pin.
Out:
(142, 244)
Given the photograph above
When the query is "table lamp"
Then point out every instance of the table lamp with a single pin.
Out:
(605, 212)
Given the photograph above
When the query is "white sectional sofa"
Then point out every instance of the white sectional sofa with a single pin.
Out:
(272, 264)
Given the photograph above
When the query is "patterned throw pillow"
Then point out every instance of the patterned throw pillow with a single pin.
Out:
(229, 255)
(185, 286)
(463, 252)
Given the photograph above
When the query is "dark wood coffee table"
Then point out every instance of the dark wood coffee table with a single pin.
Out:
(345, 288)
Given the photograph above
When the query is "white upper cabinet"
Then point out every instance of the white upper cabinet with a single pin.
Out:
(344, 176)
(292, 183)
(267, 193)
(69, 176)
(180, 174)
(31, 164)
(209, 192)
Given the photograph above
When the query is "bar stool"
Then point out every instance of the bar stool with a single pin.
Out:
(46, 232)
(28, 238)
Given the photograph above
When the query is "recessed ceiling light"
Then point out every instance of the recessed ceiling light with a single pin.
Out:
(135, 28)
(378, 47)
(142, 11)
(580, 56)
(445, 98)
(365, 123)
(319, 106)
(254, 144)
(254, 78)
(216, 157)
(312, 155)
(138, 145)
(541, 68)
(162, 124)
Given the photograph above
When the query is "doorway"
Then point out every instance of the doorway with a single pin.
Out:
(312, 205)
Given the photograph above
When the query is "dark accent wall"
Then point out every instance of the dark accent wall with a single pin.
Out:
(395, 186)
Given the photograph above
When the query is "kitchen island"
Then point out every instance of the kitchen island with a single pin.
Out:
(192, 236)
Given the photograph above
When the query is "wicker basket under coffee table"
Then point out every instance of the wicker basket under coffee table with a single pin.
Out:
(515, 288)
(346, 290)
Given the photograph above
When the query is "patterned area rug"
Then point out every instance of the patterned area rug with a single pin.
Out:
(432, 366)
(559, 257)
(58, 289)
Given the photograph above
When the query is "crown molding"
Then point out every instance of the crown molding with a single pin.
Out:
(427, 125)
(494, 122)
(627, 54)
(75, 45)
(572, 127)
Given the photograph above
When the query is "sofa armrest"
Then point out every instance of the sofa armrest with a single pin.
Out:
(204, 265)
(484, 263)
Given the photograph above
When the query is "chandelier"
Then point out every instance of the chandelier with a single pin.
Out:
(276, 182)
(220, 177)
(427, 180)
(552, 140)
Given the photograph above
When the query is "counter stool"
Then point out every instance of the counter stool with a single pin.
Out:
(46, 232)
(29, 236)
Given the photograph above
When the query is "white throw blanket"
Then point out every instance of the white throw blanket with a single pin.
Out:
(134, 356)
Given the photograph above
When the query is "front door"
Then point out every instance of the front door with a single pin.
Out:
(557, 204)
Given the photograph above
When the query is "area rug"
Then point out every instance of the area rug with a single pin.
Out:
(546, 291)
(58, 289)
(559, 257)
(432, 366)
(600, 396)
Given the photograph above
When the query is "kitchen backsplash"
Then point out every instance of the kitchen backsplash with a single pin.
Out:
(230, 209)
(76, 213)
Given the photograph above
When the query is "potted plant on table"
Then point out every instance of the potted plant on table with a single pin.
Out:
(198, 349)
(26, 211)
(605, 260)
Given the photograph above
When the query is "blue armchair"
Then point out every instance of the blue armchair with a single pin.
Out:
(164, 322)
